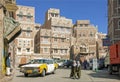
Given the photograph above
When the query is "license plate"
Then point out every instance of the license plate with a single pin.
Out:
(29, 71)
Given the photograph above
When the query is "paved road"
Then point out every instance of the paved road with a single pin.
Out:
(62, 75)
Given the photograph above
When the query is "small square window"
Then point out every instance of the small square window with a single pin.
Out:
(19, 49)
(55, 51)
(81, 25)
(63, 40)
(45, 50)
(119, 24)
(28, 49)
(55, 39)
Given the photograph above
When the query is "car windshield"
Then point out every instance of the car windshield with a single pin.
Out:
(36, 61)
(40, 61)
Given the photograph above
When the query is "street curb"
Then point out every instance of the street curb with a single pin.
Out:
(6, 78)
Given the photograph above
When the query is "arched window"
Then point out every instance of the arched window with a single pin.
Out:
(83, 48)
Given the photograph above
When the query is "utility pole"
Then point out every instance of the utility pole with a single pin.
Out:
(97, 50)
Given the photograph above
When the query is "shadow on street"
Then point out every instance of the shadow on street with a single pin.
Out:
(104, 74)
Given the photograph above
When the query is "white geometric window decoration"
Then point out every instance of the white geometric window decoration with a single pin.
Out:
(62, 51)
(65, 50)
(45, 40)
(28, 34)
(45, 50)
(28, 28)
(55, 50)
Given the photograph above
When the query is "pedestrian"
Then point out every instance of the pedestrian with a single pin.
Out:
(85, 64)
(8, 66)
(73, 70)
(78, 70)
(71, 74)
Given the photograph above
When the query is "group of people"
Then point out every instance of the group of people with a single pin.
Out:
(75, 70)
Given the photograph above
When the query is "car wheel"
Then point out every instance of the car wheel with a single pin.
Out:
(67, 66)
(25, 74)
(110, 70)
(43, 73)
(119, 71)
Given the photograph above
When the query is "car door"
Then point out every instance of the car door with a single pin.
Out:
(50, 65)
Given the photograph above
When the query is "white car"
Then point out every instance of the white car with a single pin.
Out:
(39, 66)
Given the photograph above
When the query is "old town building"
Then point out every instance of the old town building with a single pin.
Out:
(24, 44)
(86, 37)
(114, 20)
(43, 43)
(55, 35)
(88, 40)
(9, 30)
(101, 48)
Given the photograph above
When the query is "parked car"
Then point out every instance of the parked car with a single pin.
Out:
(90, 64)
(39, 66)
(101, 63)
(67, 63)
(60, 62)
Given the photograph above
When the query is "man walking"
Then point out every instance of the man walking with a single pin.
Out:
(73, 70)
(78, 69)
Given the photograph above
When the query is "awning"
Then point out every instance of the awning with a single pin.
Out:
(11, 28)
(14, 34)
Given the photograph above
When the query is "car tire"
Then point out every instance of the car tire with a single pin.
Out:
(119, 71)
(43, 73)
(110, 70)
(25, 74)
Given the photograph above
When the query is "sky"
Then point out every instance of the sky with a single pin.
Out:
(93, 10)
